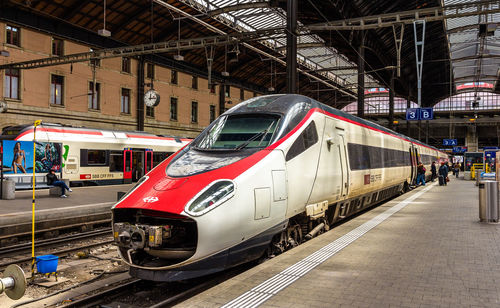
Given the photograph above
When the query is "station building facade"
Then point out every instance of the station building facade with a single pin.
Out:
(102, 93)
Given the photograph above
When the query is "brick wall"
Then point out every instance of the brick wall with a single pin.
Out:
(35, 84)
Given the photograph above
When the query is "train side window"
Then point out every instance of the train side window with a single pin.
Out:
(96, 158)
(116, 161)
(308, 138)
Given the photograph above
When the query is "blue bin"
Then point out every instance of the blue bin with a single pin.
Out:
(46, 264)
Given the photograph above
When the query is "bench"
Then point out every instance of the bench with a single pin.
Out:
(25, 181)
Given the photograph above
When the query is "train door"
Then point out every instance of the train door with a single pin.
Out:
(138, 156)
(148, 161)
(127, 166)
(413, 174)
(329, 176)
(343, 162)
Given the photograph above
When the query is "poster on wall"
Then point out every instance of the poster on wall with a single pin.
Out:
(17, 157)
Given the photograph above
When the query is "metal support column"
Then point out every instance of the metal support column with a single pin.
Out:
(398, 40)
(408, 122)
(427, 132)
(291, 46)
(361, 76)
(140, 94)
(419, 55)
(222, 98)
(391, 103)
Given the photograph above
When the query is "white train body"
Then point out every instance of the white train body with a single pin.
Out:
(239, 190)
(115, 154)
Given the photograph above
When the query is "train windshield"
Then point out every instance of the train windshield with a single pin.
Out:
(239, 131)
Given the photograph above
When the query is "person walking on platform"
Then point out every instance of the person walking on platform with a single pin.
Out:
(420, 174)
(443, 174)
(53, 180)
(457, 169)
(433, 171)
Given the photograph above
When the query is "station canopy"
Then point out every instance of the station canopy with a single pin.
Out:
(329, 35)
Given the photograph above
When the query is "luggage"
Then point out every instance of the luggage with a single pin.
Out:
(441, 180)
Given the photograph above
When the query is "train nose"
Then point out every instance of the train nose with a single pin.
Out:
(146, 236)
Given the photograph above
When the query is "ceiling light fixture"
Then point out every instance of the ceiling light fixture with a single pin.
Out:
(104, 32)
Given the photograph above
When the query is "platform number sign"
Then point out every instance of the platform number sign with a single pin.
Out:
(450, 142)
(415, 114)
(426, 114)
(412, 114)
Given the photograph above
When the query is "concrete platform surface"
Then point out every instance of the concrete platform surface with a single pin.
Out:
(80, 196)
(425, 248)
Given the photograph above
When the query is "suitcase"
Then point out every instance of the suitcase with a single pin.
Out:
(441, 180)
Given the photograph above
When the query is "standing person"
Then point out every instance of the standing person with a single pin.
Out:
(420, 174)
(457, 169)
(443, 171)
(19, 161)
(53, 180)
(433, 171)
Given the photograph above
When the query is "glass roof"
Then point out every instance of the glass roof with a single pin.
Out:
(475, 56)
(313, 58)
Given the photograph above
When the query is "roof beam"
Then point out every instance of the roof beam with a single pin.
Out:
(408, 17)
(239, 7)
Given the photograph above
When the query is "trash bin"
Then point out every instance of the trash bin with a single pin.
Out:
(8, 190)
(488, 201)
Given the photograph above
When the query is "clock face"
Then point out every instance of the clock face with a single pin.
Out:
(151, 98)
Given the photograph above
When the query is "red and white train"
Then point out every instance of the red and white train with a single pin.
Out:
(98, 156)
(266, 174)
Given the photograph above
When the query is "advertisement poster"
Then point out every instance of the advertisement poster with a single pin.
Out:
(18, 157)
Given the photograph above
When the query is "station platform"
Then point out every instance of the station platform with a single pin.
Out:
(82, 201)
(425, 248)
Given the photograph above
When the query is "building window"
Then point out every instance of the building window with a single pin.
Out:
(242, 94)
(56, 90)
(213, 88)
(227, 91)
(194, 112)
(173, 108)
(126, 65)
(194, 82)
(94, 95)
(150, 71)
(212, 113)
(11, 83)
(125, 101)
(12, 35)
(150, 112)
(173, 77)
(57, 47)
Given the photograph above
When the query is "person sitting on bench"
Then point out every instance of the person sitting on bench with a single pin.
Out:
(53, 180)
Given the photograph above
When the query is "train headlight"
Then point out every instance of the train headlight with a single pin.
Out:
(212, 196)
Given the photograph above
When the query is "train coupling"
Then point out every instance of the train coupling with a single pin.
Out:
(140, 236)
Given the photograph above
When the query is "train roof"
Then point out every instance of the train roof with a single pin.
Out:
(12, 132)
(284, 103)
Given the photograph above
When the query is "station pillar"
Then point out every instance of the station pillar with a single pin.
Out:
(291, 46)
(140, 94)
(391, 103)
(471, 139)
(361, 75)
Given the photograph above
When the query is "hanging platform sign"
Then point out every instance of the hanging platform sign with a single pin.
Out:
(415, 114)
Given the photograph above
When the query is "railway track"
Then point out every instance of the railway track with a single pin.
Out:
(142, 293)
(12, 252)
